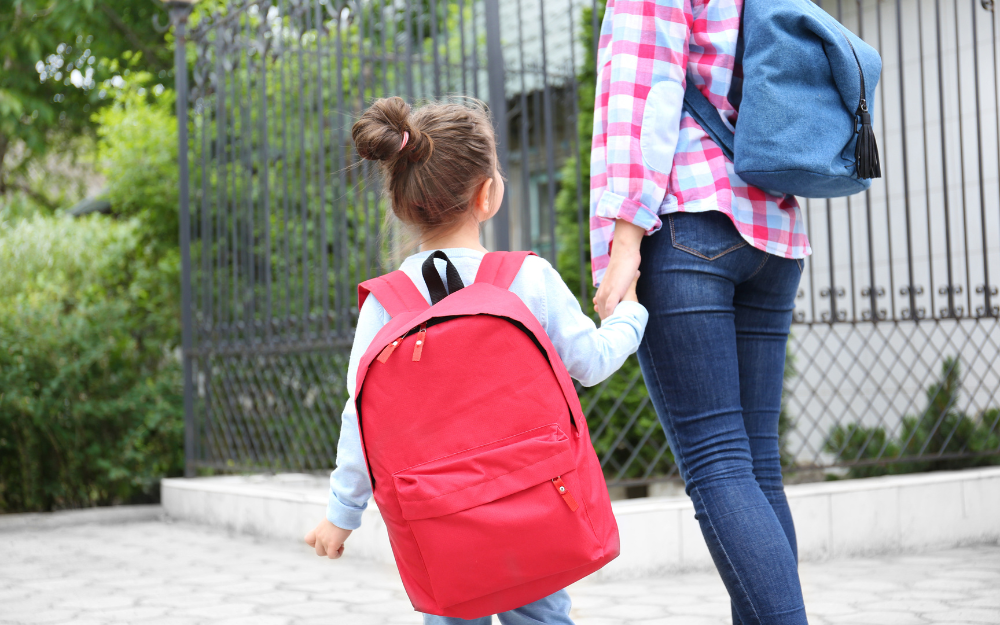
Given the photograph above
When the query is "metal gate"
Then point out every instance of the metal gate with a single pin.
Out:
(895, 345)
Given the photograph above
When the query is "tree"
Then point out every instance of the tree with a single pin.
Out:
(55, 55)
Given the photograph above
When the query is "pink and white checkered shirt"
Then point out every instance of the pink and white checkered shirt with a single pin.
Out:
(650, 158)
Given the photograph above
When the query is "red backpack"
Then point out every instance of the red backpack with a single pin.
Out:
(477, 448)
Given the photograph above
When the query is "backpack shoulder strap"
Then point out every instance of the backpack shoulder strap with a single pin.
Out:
(500, 268)
(395, 291)
(707, 116)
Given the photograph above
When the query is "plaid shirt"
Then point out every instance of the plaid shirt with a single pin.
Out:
(650, 158)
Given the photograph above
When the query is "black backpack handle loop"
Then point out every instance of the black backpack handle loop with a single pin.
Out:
(433, 279)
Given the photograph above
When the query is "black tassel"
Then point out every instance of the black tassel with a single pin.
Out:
(866, 161)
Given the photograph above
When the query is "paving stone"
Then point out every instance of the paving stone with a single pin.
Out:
(990, 600)
(916, 606)
(256, 619)
(34, 616)
(169, 620)
(135, 614)
(309, 609)
(276, 597)
(351, 619)
(187, 599)
(874, 617)
(409, 618)
(967, 615)
(629, 611)
(216, 611)
(828, 608)
(678, 620)
(165, 573)
(387, 608)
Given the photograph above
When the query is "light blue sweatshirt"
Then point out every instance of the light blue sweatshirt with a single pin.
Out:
(590, 354)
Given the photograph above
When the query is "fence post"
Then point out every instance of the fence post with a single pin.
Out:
(179, 12)
(498, 109)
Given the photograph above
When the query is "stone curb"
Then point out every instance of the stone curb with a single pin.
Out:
(882, 515)
(111, 515)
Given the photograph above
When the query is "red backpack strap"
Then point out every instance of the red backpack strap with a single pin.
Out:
(395, 291)
(500, 268)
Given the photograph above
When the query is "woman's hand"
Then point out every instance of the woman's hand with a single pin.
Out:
(623, 269)
(328, 539)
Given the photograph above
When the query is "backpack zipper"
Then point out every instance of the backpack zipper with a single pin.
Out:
(418, 347)
(557, 481)
(387, 351)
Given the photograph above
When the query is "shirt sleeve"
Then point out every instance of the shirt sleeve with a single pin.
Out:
(641, 78)
(590, 354)
(350, 488)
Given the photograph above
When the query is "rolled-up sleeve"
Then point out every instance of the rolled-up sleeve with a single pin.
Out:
(643, 55)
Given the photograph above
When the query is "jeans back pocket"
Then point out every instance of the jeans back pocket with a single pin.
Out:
(708, 235)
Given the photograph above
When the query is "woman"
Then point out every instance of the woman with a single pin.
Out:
(719, 279)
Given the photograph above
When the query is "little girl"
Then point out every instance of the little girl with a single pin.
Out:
(440, 170)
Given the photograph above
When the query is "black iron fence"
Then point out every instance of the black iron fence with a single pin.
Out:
(893, 356)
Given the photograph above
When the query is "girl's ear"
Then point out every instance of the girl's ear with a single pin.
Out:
(481, 205)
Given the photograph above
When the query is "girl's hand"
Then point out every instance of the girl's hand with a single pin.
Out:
(623, 269)
(328, 539)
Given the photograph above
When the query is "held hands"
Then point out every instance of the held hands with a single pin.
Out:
(328, 539)
(622, 272)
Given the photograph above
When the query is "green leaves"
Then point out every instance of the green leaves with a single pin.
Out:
(54, 57)
(924, 441)
(137, 153)
(91, 406)
(91, 412)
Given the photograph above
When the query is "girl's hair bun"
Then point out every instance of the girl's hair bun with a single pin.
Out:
(449, 153)
(378, 134)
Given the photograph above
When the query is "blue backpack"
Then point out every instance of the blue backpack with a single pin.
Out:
(804, 125)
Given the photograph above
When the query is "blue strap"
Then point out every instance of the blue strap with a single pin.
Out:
(705, 113)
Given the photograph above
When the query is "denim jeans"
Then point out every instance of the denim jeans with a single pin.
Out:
(551, 610)
(712, 358)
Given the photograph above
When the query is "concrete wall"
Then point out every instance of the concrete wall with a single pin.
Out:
(853, 517)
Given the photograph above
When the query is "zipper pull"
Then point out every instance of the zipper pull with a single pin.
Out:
(418, 347)
(564, 493)
(866, 161)
(391, 347)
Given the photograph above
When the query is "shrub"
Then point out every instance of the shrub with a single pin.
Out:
(90, 398)
(137, 153)
(939, 430)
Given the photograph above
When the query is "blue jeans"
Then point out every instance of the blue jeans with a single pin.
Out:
(713, 357)
(551, 610)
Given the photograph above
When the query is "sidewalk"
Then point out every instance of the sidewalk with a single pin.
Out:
(162, 572)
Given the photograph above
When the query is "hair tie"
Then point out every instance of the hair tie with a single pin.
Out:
(406, 137)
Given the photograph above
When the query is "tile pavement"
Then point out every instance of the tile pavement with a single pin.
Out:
(161, 572)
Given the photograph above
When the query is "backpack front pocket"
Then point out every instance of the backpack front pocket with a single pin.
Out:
(498, 516)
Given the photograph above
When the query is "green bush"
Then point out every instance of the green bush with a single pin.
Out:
(137, 153)
(90, 391)
(940, 429)
(90, 399)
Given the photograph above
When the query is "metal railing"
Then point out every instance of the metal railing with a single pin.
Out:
(895, 344)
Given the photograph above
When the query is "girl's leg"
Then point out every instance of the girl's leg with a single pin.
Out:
(690, 362)
(551, 610)
(430, 619)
